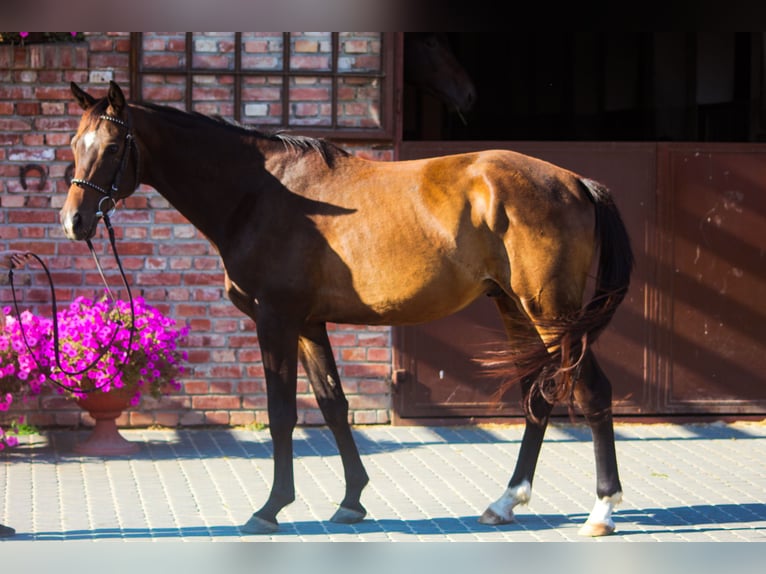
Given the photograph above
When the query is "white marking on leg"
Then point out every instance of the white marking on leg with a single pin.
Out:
(601, 515)
(513, 496)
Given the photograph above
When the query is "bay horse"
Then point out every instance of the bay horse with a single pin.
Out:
(309, 234)
(431, 66)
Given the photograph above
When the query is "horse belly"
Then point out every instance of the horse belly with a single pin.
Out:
(403, 294)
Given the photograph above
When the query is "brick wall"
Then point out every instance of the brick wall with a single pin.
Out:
(167, 260)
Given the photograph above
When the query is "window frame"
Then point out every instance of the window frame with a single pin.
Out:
(386, 76)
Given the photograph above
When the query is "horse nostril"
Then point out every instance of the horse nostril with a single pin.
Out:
(72, 224)
(76, 222)
(470, 98)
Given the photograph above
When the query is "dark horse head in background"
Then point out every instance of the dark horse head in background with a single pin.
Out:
(431, 66)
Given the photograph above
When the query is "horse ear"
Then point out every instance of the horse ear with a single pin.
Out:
(83, 98)
(116, 98)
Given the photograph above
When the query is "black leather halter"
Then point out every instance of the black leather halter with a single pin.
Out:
(109, 194)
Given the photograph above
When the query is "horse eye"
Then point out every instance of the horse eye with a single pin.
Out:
(112, 148)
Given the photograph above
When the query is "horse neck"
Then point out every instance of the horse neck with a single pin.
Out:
(195, 165)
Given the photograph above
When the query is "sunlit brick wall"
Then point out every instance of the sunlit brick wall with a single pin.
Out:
(167, 260)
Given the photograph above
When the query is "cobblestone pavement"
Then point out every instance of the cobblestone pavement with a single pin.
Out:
(692, 482)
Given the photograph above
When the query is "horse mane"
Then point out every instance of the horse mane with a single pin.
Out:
(295, 143)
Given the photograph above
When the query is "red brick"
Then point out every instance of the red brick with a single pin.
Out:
(187, 310)
(177, 44)
(368, 402)
(217, 417)
(32, 216)
(167, 420)
(158, 278)
(169, 216)
(223, 388)
(109, 60)
(164, 93)
(366, 370)
(374, 387)
(215, 402)
(9, 139)
(135, 247)
(379, 354)
(58, 139)
(56, 124)
(223, 371)
(249, 355)
(202, 278)
(11, 124)
(254, 402)
(196, 388)
(343, 339)
(101, 45)
(35, 141)
(239, 418)
(352, 354)
(122, 45)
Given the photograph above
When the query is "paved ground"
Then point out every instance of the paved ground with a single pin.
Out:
(702, 483)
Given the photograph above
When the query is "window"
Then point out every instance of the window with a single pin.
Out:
(328, 84)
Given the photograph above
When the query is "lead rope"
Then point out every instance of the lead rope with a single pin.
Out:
(54, 309)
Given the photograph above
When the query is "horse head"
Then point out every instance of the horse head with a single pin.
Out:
(105, 159)
(431, 66)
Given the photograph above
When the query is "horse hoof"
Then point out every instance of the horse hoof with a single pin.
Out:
(347, 516)
(595, 529)
(6, 531)
(257, 525)
(492, 518)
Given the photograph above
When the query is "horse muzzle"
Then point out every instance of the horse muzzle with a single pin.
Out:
(78, 223)
(75, 227)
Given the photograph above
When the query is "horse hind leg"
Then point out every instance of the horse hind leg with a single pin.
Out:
(318, 361)
(537, 411)
(593, 393)
(519, 489)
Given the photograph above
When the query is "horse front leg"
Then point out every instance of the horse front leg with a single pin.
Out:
(279, 349)
(519, 489)
(593, 392)
(318, 361)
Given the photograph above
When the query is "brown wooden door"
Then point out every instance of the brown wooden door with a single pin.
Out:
(711, 352)
(689, 337)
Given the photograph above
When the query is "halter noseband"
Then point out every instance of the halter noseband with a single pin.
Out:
(109, 194)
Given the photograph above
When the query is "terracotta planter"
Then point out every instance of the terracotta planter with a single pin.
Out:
(105, 439)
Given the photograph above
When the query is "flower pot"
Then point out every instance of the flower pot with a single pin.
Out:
(105, 439)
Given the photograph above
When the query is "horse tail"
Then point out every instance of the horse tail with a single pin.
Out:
(615, 263)
(552, 369)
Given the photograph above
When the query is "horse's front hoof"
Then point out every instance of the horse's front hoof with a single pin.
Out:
(492, 518)
(257, 525)
(348, 516)
(6, 531)
(595, 529)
